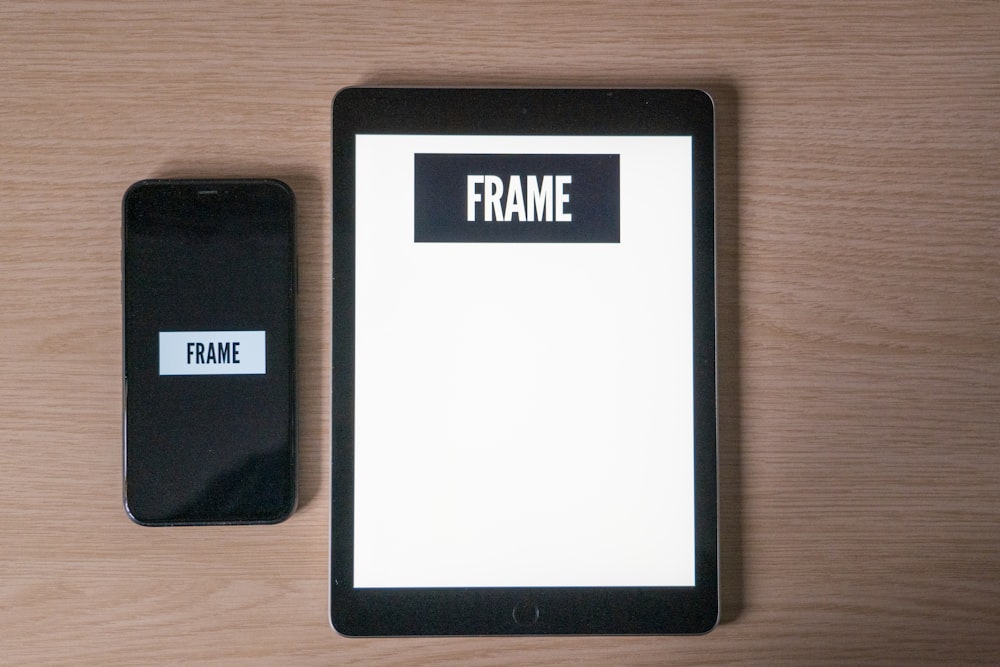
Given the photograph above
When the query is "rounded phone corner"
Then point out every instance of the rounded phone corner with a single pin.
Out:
(283, 515)
(138, 185)
(280, 185)
(135, 518)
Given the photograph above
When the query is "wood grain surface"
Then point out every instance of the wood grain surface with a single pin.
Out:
(859, 304)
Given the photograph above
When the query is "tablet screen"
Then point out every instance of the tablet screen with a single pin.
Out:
(523, 394)
(523, 362)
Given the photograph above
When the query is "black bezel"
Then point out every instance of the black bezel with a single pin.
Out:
(483, 611)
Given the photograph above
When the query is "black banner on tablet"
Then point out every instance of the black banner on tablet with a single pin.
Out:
(509, 198)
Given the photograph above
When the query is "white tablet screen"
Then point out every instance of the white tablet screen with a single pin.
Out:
(523, 403)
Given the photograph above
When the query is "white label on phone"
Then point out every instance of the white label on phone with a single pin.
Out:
(212, 353)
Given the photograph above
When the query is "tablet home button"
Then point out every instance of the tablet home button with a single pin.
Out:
(525, 613)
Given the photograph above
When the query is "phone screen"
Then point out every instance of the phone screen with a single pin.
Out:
(208, 308)
(523, 397)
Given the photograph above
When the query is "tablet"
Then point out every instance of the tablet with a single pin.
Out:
(524, 422)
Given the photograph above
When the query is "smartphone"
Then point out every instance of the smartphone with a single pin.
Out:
(208, 320)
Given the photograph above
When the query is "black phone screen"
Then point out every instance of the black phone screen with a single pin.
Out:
(208, 319)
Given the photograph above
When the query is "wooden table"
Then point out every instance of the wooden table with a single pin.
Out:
(859, 305)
